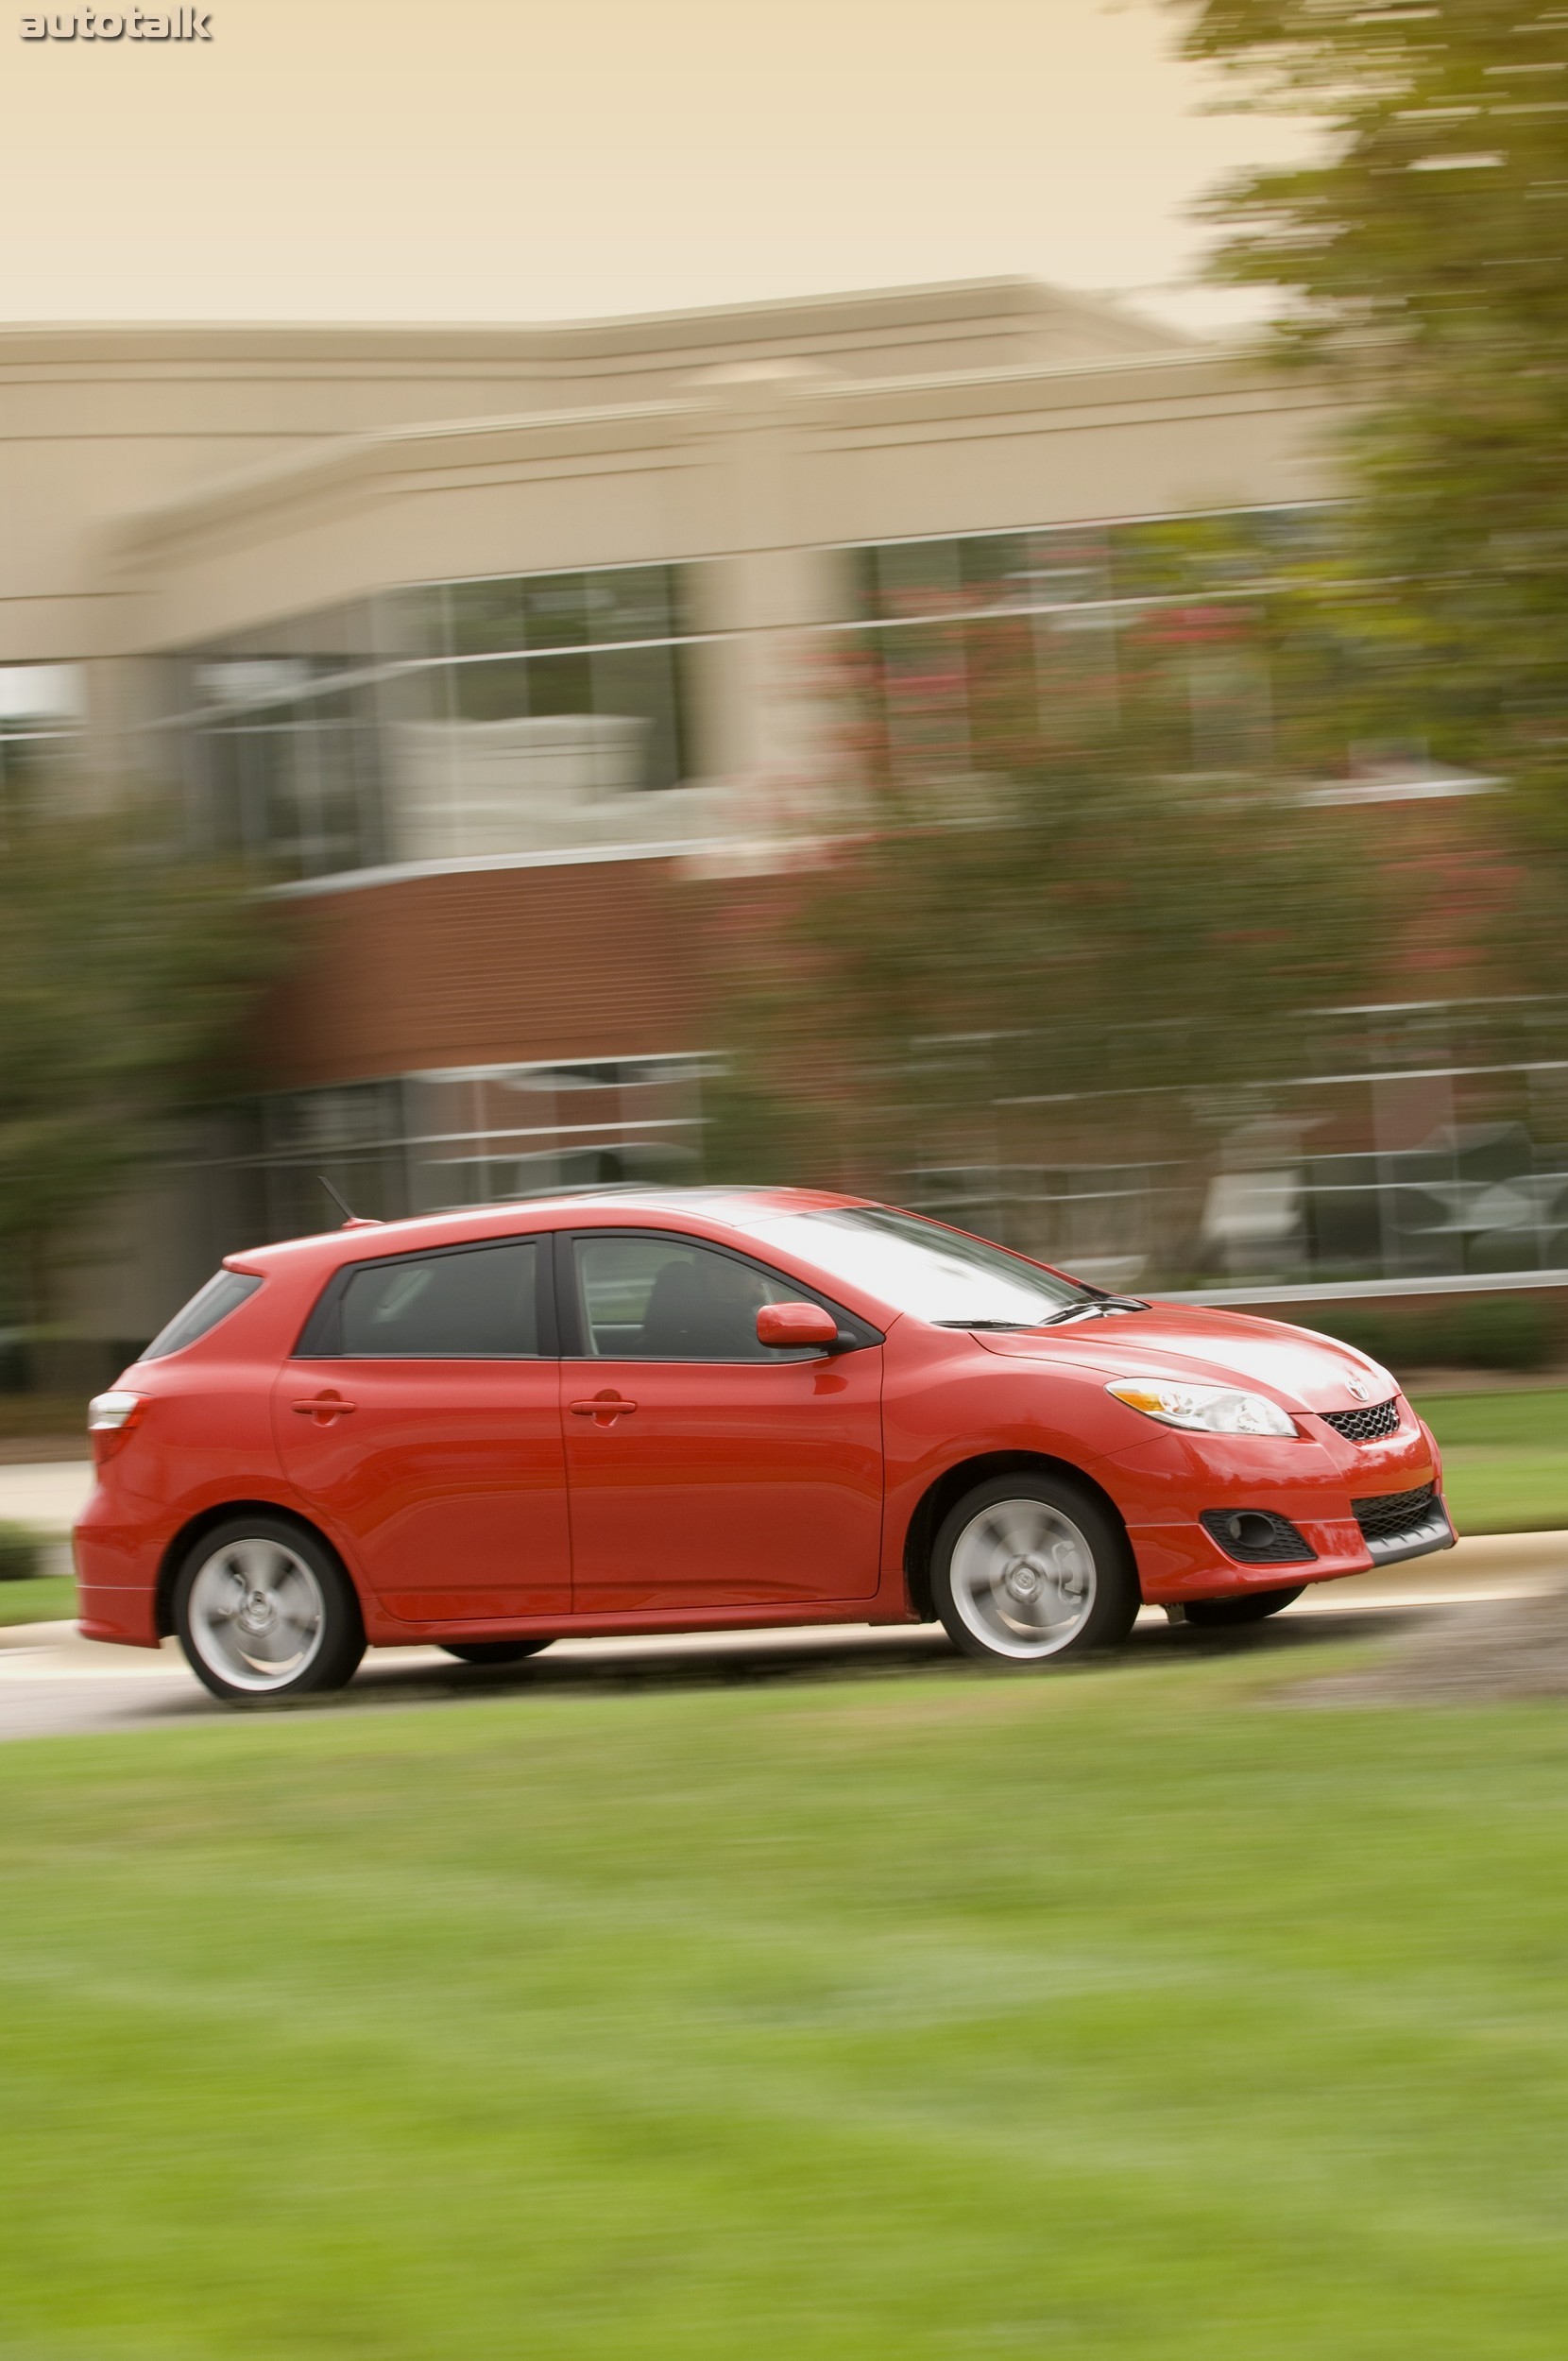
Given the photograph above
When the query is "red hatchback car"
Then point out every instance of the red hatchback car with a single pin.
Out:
(716, 1407)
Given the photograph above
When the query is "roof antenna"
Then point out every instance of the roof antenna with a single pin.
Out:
(352, 1221)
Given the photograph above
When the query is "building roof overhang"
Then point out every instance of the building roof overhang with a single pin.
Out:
(793, 322)
(350, 466)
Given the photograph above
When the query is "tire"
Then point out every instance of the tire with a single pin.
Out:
(493, 1650)
(1031, 1569)
(264, 1612)
(1251, 1607)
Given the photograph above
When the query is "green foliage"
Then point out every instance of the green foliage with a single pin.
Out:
(1423, 263)
(1464, 1333)
(1081, 881)
(127, 972)
(1065, 911)
(752, 1134)
(21, 1552)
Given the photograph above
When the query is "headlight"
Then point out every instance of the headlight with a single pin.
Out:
(1202, 1408)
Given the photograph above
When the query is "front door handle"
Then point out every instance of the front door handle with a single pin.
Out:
(323, 1408)
(602, 1409)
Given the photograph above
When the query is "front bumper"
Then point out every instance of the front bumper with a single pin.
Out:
(1427, 1529)
(1318, 1482)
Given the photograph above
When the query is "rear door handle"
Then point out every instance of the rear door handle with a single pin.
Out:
(603, 1407)
(323, 1408)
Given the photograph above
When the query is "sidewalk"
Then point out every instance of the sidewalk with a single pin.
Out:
(48, 1494)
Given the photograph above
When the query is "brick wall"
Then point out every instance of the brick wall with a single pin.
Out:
(592, 959)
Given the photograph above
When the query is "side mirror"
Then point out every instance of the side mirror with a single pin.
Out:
(795, 1323)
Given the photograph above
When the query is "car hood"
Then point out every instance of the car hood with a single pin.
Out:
(1307, 1371)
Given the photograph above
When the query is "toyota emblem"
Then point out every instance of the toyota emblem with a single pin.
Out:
(1362, 1388)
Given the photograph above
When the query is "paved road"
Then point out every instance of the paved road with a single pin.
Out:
(54, 1684)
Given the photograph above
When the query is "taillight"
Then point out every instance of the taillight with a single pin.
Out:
(109, 1420)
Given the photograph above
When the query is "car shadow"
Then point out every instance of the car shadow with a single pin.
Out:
(775, 1659)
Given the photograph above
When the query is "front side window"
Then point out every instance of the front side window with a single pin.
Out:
(939, 1275)
(653, 1298)
(479, 1303)
(221, 1295)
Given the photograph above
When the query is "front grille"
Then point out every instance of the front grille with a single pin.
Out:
(1257, 1536)
(1393, 1515)
(1364, 1426)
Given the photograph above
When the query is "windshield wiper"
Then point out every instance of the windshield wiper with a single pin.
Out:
(1095, 1308)
(1006, 1327)
(1092, 1307)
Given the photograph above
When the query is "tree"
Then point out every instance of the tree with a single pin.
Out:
(127, 972)
(1062, 892)
(1422, 265)
(1041, 906)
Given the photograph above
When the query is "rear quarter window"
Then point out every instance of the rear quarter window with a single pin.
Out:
(221, 1295)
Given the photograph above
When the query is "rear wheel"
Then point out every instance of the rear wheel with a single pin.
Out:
(1029, 1569)
(493, 1650)
(1250, 1607)
(265, 1611)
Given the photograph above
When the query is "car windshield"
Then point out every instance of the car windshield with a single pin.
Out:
(936, 1274)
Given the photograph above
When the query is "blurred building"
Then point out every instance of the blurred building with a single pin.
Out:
(471, 636)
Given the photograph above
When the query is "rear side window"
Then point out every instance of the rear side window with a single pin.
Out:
(218, 1298)
(479, 1302)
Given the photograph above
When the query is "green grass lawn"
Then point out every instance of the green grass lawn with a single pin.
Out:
(924, 2016)
(1504, 1458)
(47, 1602)
(1528, 1418)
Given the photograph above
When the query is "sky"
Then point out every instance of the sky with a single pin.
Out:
(509, 159)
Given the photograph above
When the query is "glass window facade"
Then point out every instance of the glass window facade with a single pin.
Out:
(429, 1143)
(1421, 1142)
(451, 721)
(42, 715)
(1149, 618)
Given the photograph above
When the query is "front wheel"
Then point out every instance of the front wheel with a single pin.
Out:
(265, 1611)
(1249, 1606)
(1032, 1568)
(492, 1651)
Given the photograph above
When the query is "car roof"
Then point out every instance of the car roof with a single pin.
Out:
(363, 1241)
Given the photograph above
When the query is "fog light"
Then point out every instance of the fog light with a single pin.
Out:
(1256, 1536)
(1252, 1529)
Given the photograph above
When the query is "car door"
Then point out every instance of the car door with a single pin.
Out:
(707, 1470)
(421, 1418)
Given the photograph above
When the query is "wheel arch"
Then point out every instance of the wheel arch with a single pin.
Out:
(951, 1485)
(222, 1513)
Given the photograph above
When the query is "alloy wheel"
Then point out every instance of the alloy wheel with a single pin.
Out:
(257, 1615)
(1023, 1577)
